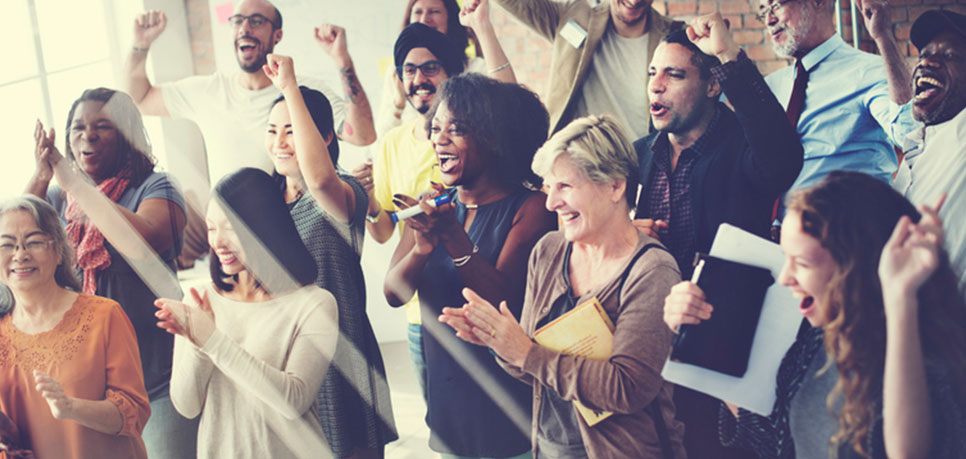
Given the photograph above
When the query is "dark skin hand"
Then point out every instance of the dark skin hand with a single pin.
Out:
(438, 225)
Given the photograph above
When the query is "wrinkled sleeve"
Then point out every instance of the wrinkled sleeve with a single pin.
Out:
(290, 390)
(190, 374)
(631, 378)
(896, 120)
(125, 382)
(541, 16)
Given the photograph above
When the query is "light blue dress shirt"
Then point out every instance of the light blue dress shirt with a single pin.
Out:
(849, 121)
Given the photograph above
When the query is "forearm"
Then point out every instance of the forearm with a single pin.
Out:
(135, 81)
(493, 54)
(100, 415)
(897, 71)
(403, 276)
(382, 229)
(906, 416)
(481, 276)
(358, 128)
(191, 371)
(321, 179)
(291, 393)
(38, 187)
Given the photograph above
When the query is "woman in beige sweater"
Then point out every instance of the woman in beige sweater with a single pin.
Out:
(252, 347)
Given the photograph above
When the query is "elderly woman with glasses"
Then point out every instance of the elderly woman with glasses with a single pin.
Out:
(589, 170)
(71, 384)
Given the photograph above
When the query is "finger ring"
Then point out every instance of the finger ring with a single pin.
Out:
(493, 333)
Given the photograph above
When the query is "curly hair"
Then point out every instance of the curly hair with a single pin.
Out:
(133, 146)
(852, 215)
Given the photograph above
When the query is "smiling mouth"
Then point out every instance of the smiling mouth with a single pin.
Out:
(447, 162)
(23, 270)
(927, 87)
(567, 217)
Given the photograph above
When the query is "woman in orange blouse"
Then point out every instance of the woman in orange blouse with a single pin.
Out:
(70, 374)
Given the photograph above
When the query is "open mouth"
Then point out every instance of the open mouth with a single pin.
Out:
(22, 271)
(423, 91)
(658, 109)
(284, 156)
(806, 305)
(927, 87)
(246, 46)
(447, 162)
(567, 217)
(227, 258)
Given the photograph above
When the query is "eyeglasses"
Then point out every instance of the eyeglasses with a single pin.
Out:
(31, 247)
(256, 20)
(429, 69)
(773, 8)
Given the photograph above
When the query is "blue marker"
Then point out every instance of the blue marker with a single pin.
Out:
(416, 210)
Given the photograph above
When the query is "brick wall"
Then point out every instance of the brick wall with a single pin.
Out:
(530, 54)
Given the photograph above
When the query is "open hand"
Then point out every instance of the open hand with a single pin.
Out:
(911, 254)
(195, 322)
(281, 70)
(60, 404)
(148, 26)
(480, 323)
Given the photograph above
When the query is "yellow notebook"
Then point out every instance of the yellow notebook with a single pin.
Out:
(586, 331)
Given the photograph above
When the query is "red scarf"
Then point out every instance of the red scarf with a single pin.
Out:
(87, 240)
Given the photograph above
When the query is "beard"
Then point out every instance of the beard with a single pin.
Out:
(795, 36)
(260, 59)
(422, 109)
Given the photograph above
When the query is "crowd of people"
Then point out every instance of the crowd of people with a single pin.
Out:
(512, 213)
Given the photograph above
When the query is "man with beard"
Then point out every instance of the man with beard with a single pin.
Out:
(706, 165)
(600, 54)
(232, 109)
(405, 162)
(937, 164)
(848, 106)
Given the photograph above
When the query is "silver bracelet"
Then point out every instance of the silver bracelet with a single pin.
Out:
(139, 50)
(500, 67)
(460, 261)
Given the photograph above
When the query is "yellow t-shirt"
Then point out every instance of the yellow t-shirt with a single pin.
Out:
(404, 164)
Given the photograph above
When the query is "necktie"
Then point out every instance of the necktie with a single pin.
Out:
(794, 111)
(797, 101)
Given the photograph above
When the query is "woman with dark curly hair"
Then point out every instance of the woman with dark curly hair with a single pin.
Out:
(872, 275)
(106, 140)
(485, 134)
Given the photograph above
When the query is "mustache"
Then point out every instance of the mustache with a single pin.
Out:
(426, 86)
(249, 38)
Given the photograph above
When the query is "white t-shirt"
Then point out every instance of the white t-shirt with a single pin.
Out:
(233, 119)
(616, 82)
(937, 166)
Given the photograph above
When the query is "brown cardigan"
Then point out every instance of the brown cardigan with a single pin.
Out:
(627, 382)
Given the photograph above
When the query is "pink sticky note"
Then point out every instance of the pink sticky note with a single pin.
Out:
(223, 12)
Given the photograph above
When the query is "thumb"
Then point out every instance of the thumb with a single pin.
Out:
(505, 310)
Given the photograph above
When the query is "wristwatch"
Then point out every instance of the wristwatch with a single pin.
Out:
(374, 218)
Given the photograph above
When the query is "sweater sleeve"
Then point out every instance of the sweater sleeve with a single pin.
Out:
(190, 374)
(631, 377)
(774, 156)
(290, 390)
(125, 382)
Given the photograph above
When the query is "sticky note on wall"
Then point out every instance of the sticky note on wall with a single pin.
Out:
(223, 12)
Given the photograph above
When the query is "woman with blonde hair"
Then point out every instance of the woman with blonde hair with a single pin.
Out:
(590, 173)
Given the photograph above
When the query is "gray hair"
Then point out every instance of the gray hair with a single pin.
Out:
(50, 223)
(598, 147)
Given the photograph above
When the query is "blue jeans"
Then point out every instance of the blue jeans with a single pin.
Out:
(169, 435)
(415, 335)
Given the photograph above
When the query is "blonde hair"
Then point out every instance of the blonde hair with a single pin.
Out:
(598, 147)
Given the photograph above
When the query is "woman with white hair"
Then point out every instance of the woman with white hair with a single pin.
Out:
(590, 173)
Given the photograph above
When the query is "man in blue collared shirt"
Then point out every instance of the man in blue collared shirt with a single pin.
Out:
(855, 106)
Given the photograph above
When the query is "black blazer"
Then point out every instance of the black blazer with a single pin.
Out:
(753, 156)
